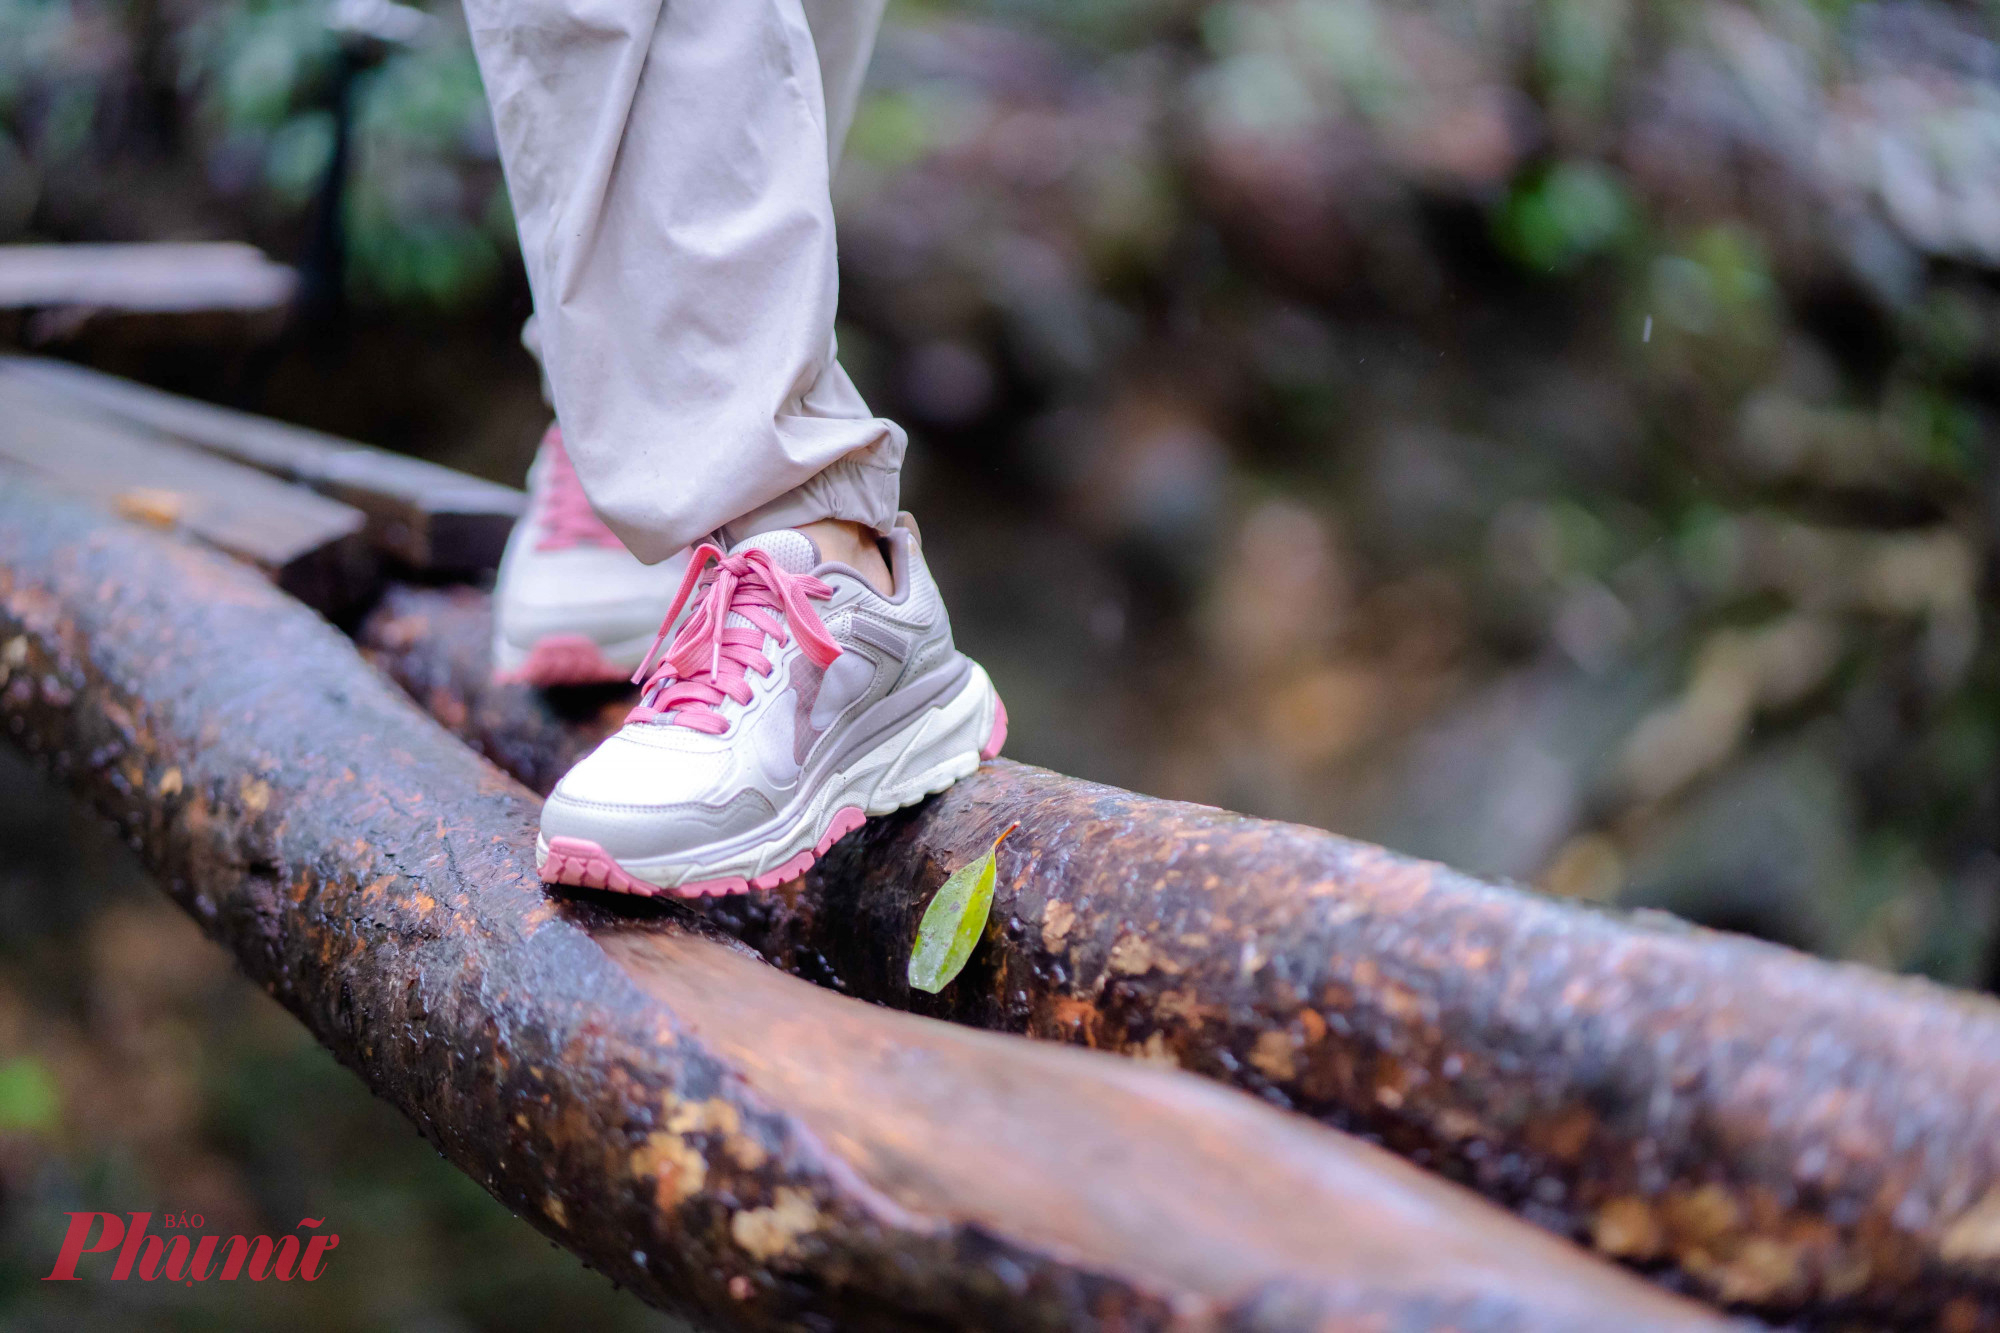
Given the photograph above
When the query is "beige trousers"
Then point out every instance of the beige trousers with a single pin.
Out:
(670, 165)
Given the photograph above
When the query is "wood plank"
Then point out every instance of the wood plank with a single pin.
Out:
(428, 517)
(167, 277)
(314, 548)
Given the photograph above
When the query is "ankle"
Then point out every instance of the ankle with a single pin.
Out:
(854, 545)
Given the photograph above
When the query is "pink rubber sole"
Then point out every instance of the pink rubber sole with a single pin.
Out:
(583, 864)
(563, 659)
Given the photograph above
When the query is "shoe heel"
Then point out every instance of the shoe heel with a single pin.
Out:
(998, 736)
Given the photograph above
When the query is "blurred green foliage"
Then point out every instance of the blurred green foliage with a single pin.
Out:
(1561, 431)
(1556, 219)
(251, 84)
(1554, 436)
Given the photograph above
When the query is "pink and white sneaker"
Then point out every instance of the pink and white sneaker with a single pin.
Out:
(571, 605)
(794, 702)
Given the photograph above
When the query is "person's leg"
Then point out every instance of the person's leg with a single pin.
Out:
(844, 38)
(670, 165)
(571, 606)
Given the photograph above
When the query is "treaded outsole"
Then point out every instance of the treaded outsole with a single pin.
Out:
(583, 864)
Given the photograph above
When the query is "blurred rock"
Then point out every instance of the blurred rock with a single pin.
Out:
(948, 383)
(1736, 673)
(1282, 593)
(1511, 773)
(1766, 851)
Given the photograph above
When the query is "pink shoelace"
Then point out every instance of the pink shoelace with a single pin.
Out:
(567, 518)
(710, 659)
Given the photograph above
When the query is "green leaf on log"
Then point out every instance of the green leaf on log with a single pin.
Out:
(954, 921)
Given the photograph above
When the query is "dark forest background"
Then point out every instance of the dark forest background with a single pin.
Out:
(1554, 436)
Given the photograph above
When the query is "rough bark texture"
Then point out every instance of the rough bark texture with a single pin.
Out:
(1786, 1133)
(727, 1140)
(436, 643)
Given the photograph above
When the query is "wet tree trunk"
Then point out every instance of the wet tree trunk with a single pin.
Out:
(1793, 1135)
(727, 1140)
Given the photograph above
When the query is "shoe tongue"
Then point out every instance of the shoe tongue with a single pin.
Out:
(791, 551)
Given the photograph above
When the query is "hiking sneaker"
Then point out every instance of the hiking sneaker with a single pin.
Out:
(794, 702)
(571, 605)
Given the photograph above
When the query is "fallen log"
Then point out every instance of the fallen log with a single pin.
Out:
(727, 1140)
(435, 643)
(1784, 1133)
